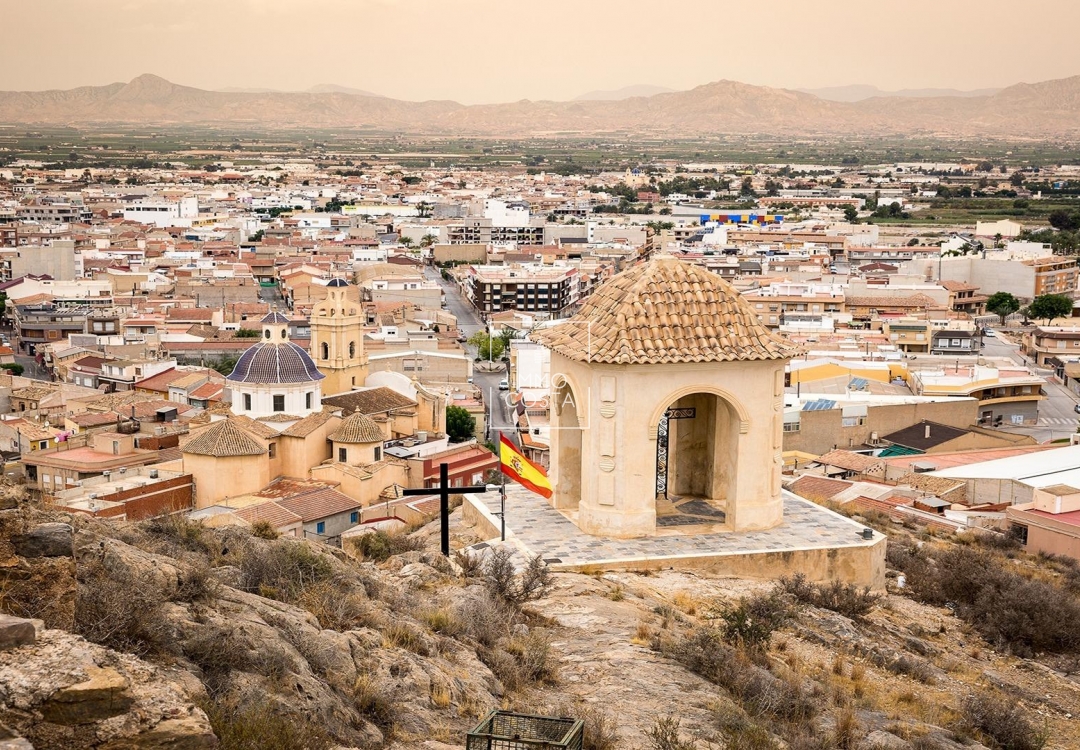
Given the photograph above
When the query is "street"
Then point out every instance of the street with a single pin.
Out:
(499, 416)
(1057, 416)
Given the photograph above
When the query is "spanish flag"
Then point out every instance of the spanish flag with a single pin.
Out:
(522, 470)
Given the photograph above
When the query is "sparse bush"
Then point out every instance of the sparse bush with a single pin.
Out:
(844, 599)
(217, 651)
(1003, 722)
(532, 653)
(1023, 615)
(752, 621)
(374, 701)
(505, 583)
(178, 529)
(399, 634)
(704, 651)
(336, 605)
(739, 733)
(601, 731)
(121, 609)
(664, 735)
(379, 546)
(443, 622)
(282, 570)
(264, 530)
(471, 563)
(262, 727)
(196, 584)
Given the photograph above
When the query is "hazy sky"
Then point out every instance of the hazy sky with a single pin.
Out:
(504, 50)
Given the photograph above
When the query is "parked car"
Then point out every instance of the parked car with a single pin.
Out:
(1076, 408)
(504, 385)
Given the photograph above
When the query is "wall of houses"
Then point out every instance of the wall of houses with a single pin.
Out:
(821, 431)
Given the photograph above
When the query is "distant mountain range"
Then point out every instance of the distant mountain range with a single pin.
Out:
(1050, 108)
(321, 88)
(859, 91)
(626, 92)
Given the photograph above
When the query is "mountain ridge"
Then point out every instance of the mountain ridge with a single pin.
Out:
(1046, 109)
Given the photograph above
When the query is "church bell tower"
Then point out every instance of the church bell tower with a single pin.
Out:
(337, 340)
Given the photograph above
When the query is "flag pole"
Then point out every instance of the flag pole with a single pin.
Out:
(502, 494)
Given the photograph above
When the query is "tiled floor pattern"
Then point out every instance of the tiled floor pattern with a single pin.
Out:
(547, 532)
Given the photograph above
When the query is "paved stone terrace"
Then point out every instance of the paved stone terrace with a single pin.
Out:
(547, 532)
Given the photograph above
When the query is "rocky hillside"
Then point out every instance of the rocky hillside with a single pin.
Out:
(1050, 108)
(169, 635)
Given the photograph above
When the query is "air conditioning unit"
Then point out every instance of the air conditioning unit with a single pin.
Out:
(153, 473)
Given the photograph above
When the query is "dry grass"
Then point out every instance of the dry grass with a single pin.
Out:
(686, 603)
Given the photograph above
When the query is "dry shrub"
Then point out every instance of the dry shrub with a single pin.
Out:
(443, 622)
(181, 533)
(282, 570)
(262, 727)
(505, 583)
(601, 730)
(264, 530)
(739, 733)
(704, 651)
(400, 634)
(487, 620)
(471, 563)
(336, 605)
(375, 701)
(379, 546)
(1003, 722)
(753, 619)
(1016, 613)
(534, 658)
(844, 599)
(121, 609)
(664, 735)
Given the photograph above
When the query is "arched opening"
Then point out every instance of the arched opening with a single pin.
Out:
(696, 458)
(566, 447)
(352, 349)
(324, 350)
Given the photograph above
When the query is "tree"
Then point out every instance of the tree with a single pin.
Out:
(14, 369)
(428, 240)
(247, 333)
(1017, 179)
(486, 346)
(1049, 306)
(851, 215)
(460, 425)
(1002, 304)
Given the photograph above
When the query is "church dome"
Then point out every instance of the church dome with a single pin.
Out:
(357, 428)
(661, 312)
(269, 363)
(338, 282)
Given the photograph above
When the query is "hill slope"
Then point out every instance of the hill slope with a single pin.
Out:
(1050, 108)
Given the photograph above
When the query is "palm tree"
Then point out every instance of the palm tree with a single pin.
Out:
(428, 240)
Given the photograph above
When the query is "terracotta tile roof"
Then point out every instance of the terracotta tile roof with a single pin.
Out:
(936, 485)
(254, 426)
(849, 461)
(308, 424)
(208, 391)
(93, 419)
(270, 512)
(357, 428)
(818, 488)
(222, 439)
(665, 311)
(369, 401)
(32, 392)
(159, 382)
(320, 503)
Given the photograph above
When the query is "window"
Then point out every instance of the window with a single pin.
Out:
(791, 426)
(853, 421)
(308, 400)
(352, 348)
(325, 350)
(378, 453)
(272, 447)
(279, 402)
(320, 527)
(1019, 532)
(247, 402)
(266, 333)
(343, 455)
(354, 517)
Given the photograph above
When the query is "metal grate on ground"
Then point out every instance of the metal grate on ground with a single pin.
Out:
(503, 730)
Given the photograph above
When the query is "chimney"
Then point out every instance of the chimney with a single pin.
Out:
(926, 435)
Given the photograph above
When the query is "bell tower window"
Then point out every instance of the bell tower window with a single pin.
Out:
(325, 350)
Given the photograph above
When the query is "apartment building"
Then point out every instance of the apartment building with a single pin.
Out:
(546, 290)
(1006, 393)
(791, 303)
(1045, 344)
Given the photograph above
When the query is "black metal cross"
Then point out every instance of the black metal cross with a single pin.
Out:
(444, 492)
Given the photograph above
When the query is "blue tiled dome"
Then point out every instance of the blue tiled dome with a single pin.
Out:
(338, 282)
(275, 363)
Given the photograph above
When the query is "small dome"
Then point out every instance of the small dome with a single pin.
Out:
(275, 363)
(274, 318)
(338, 282)
(356, 428)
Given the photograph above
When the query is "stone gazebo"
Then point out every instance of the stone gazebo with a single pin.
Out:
(667, 406)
